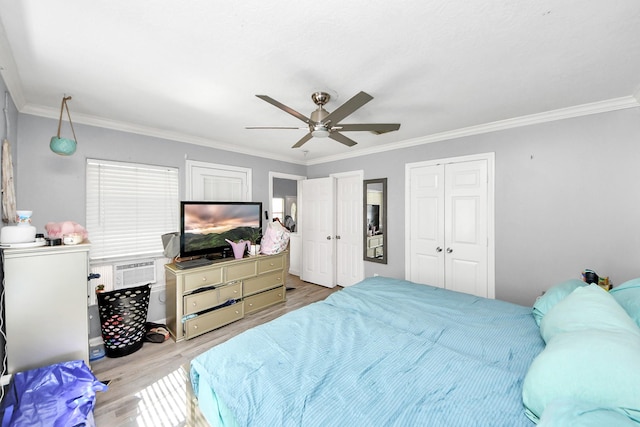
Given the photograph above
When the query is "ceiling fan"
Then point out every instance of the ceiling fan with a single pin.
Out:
(324, 124)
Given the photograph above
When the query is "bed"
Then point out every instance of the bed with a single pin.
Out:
(388, 352)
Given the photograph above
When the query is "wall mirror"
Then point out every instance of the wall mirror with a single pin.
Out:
(375, 220)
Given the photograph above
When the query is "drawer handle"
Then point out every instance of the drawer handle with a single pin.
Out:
(237, 312)
(195, 304)
(195, 326)
(279, 295)
(235, 291)
(250, 304)
(271, 264)
(204, 278)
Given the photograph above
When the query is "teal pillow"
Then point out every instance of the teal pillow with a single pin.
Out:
(586, 308)
(572, 413)
(554, 295)
(628, 296)
(598, 366)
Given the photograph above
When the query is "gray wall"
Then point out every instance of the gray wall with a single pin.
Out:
(566, 199)
(566, 191)
(285, 187)
(53, 186)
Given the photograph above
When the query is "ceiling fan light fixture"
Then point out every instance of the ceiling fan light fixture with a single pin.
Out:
(320, 132)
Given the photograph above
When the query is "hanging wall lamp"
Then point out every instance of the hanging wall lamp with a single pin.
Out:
(64, 146)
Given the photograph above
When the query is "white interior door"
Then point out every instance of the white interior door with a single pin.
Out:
(317, 225)
(466, 227)
(208, 181)
(426, 194)
(450, 225)
(349, 229)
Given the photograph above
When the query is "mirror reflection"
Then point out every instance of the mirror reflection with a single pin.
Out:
(375, 221)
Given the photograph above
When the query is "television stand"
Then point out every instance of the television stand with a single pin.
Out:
(192, 263)
(199, 300)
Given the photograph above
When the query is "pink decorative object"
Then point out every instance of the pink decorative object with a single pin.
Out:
(239, 248)
(56, 230)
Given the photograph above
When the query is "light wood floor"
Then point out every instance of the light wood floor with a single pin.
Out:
(149, 387)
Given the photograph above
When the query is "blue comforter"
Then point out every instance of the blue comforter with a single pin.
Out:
(384, 352)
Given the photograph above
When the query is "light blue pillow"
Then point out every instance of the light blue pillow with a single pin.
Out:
(599, 366)
(628, 296)
(586, 308)
(572, 413)
(554, 295)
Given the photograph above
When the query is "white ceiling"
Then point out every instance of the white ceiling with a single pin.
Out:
(189, 70)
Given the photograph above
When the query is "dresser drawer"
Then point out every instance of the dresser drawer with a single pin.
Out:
(241, 271)
(198, 279)
(232, 291)
(265, 299)
(263, 282)
(195, 303)
(270, 264)
(213, 320)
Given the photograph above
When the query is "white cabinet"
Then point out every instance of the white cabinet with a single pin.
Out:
(46, 305)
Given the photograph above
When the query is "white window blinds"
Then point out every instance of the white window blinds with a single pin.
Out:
(129, 206)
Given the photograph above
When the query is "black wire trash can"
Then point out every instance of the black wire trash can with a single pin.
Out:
(123, 314)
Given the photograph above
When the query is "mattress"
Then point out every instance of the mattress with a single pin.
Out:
(384, 352)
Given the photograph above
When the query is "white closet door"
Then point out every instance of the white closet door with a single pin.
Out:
(466, 227)
(317, 212)
(449, 225)
(208, 181)
(426, 194)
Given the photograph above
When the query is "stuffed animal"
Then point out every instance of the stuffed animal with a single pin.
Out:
(55, 230)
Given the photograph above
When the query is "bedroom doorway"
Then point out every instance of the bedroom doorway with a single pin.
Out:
(284, 192)
(331, 226)
(449, 237)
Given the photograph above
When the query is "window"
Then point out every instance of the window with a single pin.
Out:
(129, 206)
(278, 208)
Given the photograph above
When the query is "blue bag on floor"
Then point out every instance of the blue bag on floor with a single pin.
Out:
(59, 395)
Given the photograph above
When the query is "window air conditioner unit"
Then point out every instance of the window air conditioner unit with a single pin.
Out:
(127, 275)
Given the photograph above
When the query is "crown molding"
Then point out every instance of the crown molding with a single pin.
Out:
(548, 116)
(84, 119)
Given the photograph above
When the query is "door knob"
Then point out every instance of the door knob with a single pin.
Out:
(438, 249)
(338, 237)
(328, 237)
(449, 250)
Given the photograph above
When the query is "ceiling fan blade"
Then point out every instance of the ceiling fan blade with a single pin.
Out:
(302, 140)
(377, 128)
(283, 107)
(342, 139)
(275, 127)
(348, 107)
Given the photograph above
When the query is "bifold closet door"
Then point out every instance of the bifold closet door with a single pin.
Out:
(448, 226)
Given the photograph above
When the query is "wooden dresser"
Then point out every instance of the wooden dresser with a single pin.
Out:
(202, 299)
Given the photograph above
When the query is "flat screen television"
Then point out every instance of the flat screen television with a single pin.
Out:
(205, 225)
